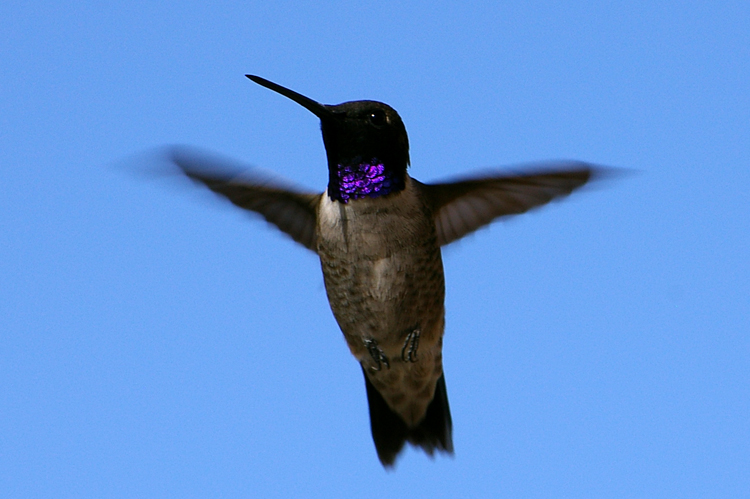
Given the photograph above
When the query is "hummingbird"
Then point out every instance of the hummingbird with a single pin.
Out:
(379, 233)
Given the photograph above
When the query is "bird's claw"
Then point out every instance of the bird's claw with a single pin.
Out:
(411, 344)
(378, 356)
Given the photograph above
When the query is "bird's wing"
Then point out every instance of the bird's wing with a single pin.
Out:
(288, 209)
(463, 206)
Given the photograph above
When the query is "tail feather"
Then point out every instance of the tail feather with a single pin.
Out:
(390, 433)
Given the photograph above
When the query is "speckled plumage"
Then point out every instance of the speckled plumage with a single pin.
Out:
(384, 277)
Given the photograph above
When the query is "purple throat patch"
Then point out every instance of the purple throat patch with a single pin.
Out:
(363, 180)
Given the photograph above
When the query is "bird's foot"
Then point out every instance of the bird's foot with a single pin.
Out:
(378, 356)
(411, 344)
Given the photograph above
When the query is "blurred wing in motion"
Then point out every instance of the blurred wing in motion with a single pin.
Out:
(465, 205)
(288, 209)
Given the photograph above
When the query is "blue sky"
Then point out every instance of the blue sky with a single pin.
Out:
(158, 343)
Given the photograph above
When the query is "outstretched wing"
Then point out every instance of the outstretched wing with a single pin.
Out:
(291, 211)
(465, 205)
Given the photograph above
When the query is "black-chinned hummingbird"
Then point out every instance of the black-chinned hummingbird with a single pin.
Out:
(378, 233)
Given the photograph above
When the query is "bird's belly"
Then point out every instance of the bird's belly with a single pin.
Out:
(382, 269)
(384, 278)
(391, 312)
(383, 299)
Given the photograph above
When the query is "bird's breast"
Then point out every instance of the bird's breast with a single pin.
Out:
(382, 267)
(372, 228)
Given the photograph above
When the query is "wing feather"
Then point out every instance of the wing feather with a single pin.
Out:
(292, 211)
(463, 206)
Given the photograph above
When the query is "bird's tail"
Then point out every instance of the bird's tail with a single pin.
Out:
(390, 432)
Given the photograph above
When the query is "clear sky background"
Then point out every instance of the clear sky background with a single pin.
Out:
(156, 342)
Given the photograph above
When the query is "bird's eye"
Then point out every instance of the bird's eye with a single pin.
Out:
(378, 118)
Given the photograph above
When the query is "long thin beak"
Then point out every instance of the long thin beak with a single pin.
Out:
(316, 108)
